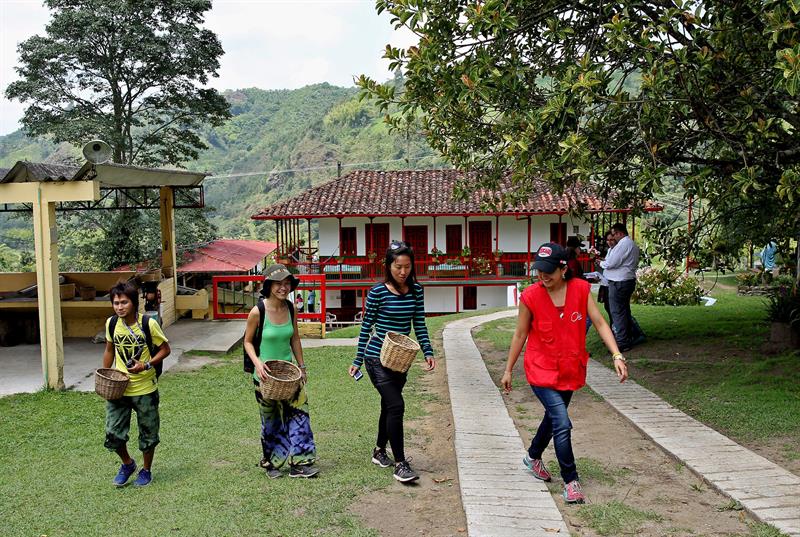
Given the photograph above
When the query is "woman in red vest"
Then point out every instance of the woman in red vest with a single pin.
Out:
(552, 318)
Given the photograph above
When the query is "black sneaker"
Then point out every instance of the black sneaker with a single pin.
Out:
(272, 472)
(404, 473)
(303, 471)
(380, 458)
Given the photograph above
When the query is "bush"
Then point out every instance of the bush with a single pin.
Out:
(666, 287)
(783, 304)
(749, 278)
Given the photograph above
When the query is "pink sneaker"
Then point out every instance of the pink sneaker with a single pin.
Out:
(536, 466)
(573, 492)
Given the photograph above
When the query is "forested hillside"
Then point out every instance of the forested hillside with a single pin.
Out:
(269, 132)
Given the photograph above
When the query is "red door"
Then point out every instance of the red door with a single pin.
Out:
(417, 238)
(480, 238)
(347, 241)
(470, 297)
(377, 238)
(558, 233)
(453, 239)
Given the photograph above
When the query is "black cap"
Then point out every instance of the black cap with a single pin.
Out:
(549, 257)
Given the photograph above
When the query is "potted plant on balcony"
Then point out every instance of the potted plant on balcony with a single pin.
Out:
(372, 256)
(498, 254)
(435, 253)
(482, 265)
(466, 253)
(340, 259)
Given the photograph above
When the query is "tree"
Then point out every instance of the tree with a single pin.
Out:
(127, 72)
(620, 95)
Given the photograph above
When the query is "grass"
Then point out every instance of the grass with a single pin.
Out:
(56, 477)
(593, 470)
(708, 362)
(615, 518)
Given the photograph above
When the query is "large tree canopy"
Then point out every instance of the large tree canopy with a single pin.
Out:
(129, 72)
(623, 95)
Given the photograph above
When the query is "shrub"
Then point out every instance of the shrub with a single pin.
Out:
(666, 287)
(783, 304)
(749, 278)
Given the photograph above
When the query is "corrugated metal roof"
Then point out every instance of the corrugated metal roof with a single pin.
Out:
(226, 255)
(223, 255)
(110, 175)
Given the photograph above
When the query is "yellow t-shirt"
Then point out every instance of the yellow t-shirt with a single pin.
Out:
(127, 345)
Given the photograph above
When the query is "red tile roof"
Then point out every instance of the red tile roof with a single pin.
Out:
(415, 192)
(224, 255)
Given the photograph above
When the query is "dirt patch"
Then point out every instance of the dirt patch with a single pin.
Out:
(617, 462)
(432, 506)
(192, 362)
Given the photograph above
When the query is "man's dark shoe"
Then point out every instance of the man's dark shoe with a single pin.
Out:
(404, 473)
(303, 471)
(380, 458)
(143, 479)
(125, 473)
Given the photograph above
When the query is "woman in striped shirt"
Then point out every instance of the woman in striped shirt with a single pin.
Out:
(395, 305)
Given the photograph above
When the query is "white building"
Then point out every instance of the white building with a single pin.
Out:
(484, 254)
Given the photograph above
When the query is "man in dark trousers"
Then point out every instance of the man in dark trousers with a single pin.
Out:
(619, 268)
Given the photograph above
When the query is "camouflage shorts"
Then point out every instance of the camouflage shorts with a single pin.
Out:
(118, 421)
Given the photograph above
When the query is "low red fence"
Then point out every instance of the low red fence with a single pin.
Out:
(240, 293)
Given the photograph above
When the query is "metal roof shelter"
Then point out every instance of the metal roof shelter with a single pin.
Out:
(43, 188)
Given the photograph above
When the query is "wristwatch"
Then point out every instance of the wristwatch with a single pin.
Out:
(147, 366)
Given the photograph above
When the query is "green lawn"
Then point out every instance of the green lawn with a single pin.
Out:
(55, 476)
(709, 362)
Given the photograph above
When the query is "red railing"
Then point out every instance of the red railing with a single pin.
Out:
(241, 298)
(449, 267)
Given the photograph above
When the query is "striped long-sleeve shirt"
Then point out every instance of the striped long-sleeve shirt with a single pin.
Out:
(388, 312)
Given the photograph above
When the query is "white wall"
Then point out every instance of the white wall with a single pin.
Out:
(440, 299)
(513, 231)
(491, 296)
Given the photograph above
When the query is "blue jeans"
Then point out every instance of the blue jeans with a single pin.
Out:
(555, 425)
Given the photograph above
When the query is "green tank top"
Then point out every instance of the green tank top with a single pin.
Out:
(276, 341)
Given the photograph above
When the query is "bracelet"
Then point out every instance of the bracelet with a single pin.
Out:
(302, 366)
(618, 356)
(147, 366)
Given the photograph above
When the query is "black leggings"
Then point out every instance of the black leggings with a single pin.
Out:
(390, 424)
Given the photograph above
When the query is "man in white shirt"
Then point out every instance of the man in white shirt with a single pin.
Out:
(619, 268)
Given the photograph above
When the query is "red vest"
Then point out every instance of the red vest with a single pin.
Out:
(555, 355)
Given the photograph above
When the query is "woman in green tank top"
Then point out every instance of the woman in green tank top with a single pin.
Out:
(285, 425)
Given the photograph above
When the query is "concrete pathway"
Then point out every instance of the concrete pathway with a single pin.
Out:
(21, 366)
(500, 498)
(770, 493)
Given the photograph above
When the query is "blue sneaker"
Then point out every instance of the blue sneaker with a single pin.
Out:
(125, 472)
(143, 479)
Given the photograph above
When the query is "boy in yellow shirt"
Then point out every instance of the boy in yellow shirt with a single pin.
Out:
(127, 349)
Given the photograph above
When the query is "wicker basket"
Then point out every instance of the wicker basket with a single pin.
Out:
(398, 351)
(110, 383)
(283, 380)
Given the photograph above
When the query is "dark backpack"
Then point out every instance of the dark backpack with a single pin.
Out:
(248, 363)
(148, 338)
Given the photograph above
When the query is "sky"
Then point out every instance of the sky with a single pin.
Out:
(269, 44)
